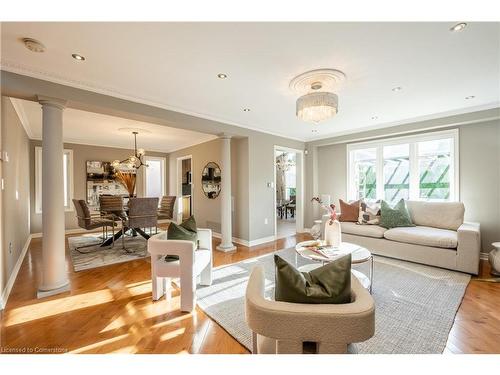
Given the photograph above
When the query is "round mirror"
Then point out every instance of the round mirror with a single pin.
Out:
(210, 180)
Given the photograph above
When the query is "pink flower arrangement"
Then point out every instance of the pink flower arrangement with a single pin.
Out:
(330, 209)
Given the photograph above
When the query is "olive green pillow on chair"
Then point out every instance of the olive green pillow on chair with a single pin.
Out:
(395, 217)
(330, 283)
(186, 231)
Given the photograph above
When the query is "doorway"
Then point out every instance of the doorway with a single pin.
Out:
(155, 177)
(288, 191)
(184, 188)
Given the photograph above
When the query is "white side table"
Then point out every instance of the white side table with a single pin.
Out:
(494, 258)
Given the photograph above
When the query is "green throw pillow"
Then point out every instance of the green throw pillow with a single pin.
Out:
(395, 217)
(330, 283)
(185, 231)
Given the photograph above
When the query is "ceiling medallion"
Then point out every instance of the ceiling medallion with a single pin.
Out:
(33, 45)
(318, 103)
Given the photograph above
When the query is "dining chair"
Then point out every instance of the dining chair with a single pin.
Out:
(88, 221)
(112, 205)
(141, 214)
(166, 210)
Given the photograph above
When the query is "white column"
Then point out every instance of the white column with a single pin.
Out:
(225, 196)
(54, 275)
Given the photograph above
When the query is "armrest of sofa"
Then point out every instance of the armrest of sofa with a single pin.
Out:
(469, 247)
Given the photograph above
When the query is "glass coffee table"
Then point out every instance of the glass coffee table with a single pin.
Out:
(358, 253)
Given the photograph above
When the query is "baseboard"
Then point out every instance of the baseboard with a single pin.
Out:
(246, 243)
(12, 279)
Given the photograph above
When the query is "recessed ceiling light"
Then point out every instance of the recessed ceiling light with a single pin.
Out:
(222, 76)
(458, 27)
(78, 57)
(246, 109)
(469, 97)
(396, 89)
(374, 117)
(33, 45)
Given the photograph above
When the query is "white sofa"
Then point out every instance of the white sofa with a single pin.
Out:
(440, 238)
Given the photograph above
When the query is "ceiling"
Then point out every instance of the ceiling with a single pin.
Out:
(175, 66)
(102, 130)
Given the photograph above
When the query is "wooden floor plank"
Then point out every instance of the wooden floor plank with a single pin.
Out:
(109, 309)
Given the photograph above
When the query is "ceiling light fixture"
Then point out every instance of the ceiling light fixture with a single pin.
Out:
(222, 76)
(78, 57)
(246, 109)
(458, 27)
(33, 45)
(469, 97)
(133, 161)
(396, 89)
(317, 102)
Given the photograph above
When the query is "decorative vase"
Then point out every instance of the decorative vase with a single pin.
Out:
(494, 258)
(316, 229)
(333, 234)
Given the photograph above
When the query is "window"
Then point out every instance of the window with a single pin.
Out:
(67, 176)
(154, 181)
(423, 167)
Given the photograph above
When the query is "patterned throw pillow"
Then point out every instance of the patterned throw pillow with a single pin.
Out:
(395, 217)
(369, 213)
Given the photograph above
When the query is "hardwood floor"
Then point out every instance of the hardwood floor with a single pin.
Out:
(109, 309)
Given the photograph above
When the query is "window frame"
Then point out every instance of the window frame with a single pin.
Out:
(413, 141)
(38, 180)
(163, 167)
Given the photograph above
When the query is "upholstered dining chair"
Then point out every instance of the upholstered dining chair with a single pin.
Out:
(296, 328)
(112, 205)
(195, 260)
(141, 214)
(166, 210)
(88, 221)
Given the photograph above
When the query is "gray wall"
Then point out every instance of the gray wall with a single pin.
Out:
(479, 173)
(82, 153)
(15, 197)
(207, 211)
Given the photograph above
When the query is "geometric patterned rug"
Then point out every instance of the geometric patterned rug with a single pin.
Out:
(415, 305)
(96, 256)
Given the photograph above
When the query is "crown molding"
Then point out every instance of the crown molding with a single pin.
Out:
(18, 68)
(21, 113)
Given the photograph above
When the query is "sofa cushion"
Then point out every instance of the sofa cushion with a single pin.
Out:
(374, 231)
(443, 215)
(425, 236)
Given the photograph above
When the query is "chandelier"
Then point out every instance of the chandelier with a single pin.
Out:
(317, 107)
(283, 163)
(133, 161)
(317, 102)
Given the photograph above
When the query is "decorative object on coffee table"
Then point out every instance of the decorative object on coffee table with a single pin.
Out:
(333, 233)
(494, 258)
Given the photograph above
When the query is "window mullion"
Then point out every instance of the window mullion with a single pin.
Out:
(380, 171)
(414, 172)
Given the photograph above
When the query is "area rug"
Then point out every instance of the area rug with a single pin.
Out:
(415, 304)
(96, 256)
